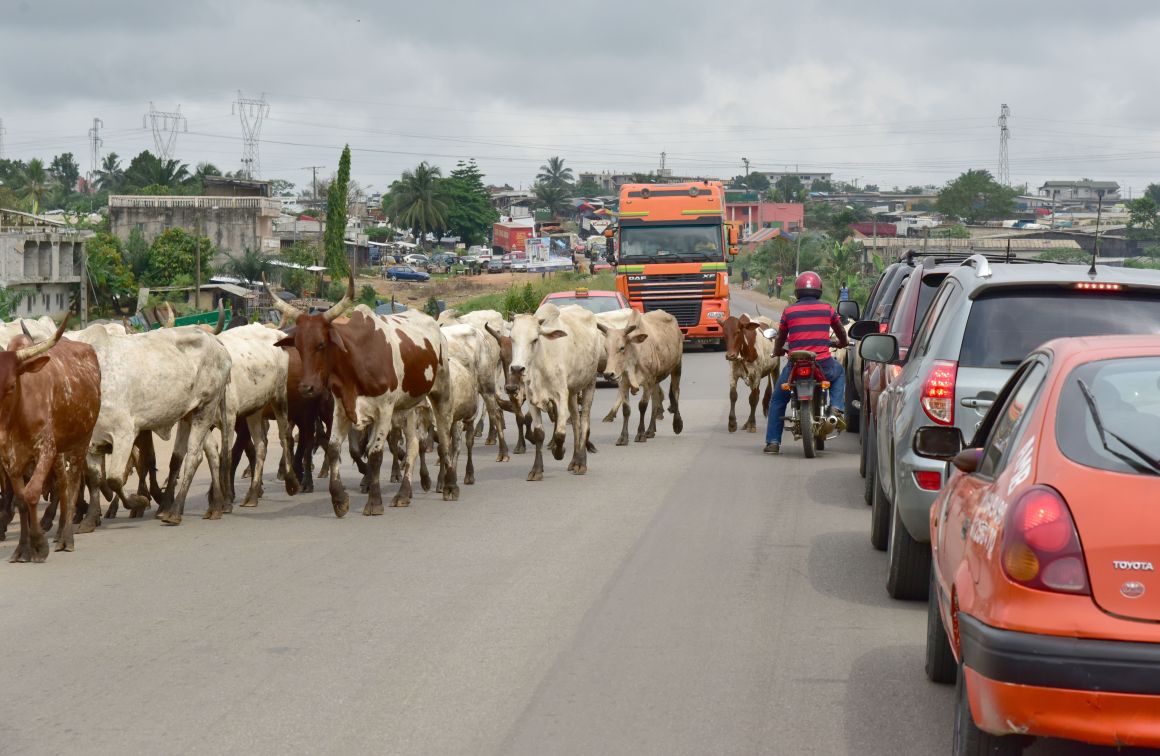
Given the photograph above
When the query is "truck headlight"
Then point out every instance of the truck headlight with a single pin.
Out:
(715, 315)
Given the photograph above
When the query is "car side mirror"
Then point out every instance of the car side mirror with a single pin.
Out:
(862, 329)
(848, 309)
(968, 460)
(938, 442)
(879, 347)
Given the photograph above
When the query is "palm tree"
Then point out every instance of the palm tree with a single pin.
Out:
(33, 182)
(153, 171)
(416, 200)
(110, 176)
(552, 197)
(554, 173)
(250, 266)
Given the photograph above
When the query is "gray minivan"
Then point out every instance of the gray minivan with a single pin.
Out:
(984, 320)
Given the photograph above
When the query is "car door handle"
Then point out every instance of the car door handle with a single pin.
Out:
(975, 402)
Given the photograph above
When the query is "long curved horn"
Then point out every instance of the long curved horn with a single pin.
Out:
(24, 330)
(343, 303)
(221, 321)
(170, 316)
(494, 335)
(289, 312)
(629, 329)
(29, 352)
(283, 321)
(758, 310)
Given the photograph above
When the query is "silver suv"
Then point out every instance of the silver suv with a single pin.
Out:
(984, 319)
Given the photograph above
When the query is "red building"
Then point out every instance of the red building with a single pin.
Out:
(755, 215)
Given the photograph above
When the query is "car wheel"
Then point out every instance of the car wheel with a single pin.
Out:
(864, 440)
(393, 278)
(969, 740)
(853, 415)
(908, 572)
(880, 512)
(940, 660)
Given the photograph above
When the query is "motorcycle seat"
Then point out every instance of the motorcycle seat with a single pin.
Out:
(802, 354)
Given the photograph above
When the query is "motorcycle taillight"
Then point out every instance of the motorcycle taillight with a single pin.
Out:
(803, 370)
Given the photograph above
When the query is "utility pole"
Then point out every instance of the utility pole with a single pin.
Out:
(1096, 249)
(1004, 134)
(745, 161)
(251, 112)
(313, 181)
(95, 144)
(165, 126)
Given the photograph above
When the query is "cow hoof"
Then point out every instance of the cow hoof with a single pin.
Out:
(227, 507)
(308, 488)
(170, 518)
(110, 513)
(610, 417)
(469, 479)
(651, 434)
(27, 553)
(137, 501)
(250, 502)
(640, 438)
(622, 441)
(503, 457)
(751, 429)
(489, 442)
(373, 509)
(535, 475)
(580, 470)
(591, 447)
(678, 424)
(732, 426)
(137, 514)
(341, 507)
(292, 487)
(520, 449)
(364, 486)
(451, 493)
(87, 526)
(63, 546)
(400, 501)
(212, 514)
(425, 482)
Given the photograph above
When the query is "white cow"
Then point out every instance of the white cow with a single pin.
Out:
(555, 356)
(487, 366)
(643, 353)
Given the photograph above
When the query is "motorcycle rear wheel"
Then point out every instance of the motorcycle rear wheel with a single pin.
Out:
(806, 418)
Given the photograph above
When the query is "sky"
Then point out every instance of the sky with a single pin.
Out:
(886, 93)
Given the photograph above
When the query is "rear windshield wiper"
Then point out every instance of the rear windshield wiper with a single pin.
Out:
(1149, 465)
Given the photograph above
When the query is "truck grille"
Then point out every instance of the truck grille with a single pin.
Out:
(678, 294)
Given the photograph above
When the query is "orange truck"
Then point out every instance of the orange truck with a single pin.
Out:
(672, 245)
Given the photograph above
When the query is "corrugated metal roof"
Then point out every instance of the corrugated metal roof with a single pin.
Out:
(980, 245)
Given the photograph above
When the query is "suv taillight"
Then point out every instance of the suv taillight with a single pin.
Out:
(938, 392)
(1040, 544)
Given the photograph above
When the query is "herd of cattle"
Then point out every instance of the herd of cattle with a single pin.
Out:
(79, 409)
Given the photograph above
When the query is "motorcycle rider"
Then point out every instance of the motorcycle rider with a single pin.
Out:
(806, 324)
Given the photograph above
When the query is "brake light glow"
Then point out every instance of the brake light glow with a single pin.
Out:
(883, 326)
(1041, 547)
(892, 372)
(803, 371)
(1093, 286)
(938, 392)
(928, 480)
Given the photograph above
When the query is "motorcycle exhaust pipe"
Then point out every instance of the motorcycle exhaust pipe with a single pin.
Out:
(829, 423)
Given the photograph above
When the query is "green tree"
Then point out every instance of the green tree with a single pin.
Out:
(33, 183)
(1143, 218)
(171, 259)
(9, 299)
(367, 295)
(822, 185)
(110, 279)
(249, 266)
(976, 196)
(415, 201)
(588, 188)
(550, 197)
(953, 231)
(843, 264)
(789, 189)
(841, 220)
(299, 280)
(334, 236)
(147, 172)
(554, 173)
(469, 211)
(754, 182)
(110, 177)
(135, 253)
(282, 188)
(1153, 191)
(65, 172)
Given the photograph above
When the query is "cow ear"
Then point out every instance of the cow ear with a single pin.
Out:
(336, 339)
(639, 337)
(556, 334)
(287, 340)
(34, 365)
(751, 325)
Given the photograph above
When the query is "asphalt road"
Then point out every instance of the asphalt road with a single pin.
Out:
(687, 596)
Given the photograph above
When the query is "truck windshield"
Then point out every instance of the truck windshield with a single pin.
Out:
(639, 244)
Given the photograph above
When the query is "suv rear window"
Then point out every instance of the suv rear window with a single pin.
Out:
(1007, 325)
(1126, 394)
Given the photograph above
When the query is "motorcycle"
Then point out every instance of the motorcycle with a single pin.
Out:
(808, 415)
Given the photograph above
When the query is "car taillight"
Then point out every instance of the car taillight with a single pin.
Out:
(1040, 545)
(1094, 286)
(928, 480)
(938, 392)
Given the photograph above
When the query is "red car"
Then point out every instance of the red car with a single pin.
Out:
(596, 301)
(1045, 600)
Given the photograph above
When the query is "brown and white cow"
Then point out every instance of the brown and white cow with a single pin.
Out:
(555, 356)
(751, 359)
(375, 367)
(641, 355)
(50, 396)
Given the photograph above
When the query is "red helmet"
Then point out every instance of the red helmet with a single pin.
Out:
(808, 284)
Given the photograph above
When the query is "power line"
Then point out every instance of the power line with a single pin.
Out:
(165, 126)
(1004, 135)
(251, 112)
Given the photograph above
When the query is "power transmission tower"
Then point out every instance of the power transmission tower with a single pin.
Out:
(95, 143)
(1004, 134)
(251, 112)
(165, 126)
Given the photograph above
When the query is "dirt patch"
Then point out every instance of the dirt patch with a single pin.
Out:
(451, 289)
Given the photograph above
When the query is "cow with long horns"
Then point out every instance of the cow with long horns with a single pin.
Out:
(50, 395)
(375, 367)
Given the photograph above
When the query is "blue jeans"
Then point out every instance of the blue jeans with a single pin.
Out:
(775, 423)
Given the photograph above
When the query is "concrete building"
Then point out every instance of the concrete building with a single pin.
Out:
(806, 177)
(43, 259)
(1083, 191)
(232, 223)
(754, 213)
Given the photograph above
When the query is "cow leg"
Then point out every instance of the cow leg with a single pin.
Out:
(442, 412)
(751, 423)
(578, 438)
(191, 440)
(304, 456)
(33, 545)
(395, 444)
(49, 513)
(217, 505)
(642, 408)
(469, 470)
(339, 428)
(374, 505)
(675, 399)
(587, 395)
(536, 436)
(732, 404)
(286, 438)
(410, 444)
(768, 395)
(626, 412)
(258, 429)
(621, 398)
(7, 509)
(559, 424)
(69, 470)
(243, 444)
(658, 401)
(147, 458)
(495, 420)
